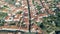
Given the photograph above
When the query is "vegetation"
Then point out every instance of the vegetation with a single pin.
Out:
(12, 24)
(4, 7)
(37, 6)
(2, 22)
(51, 23)
(2, 15)
(19, 12)
(11, 1)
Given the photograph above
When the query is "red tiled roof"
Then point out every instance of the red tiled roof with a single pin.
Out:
(7, 17)
(17, 16)
(26, 20)
(42, 14)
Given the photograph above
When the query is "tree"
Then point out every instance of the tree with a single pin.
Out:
(11, 1)
(37, 6)
(57, 21)
(19, 12)
(2, 15)
(2, 22)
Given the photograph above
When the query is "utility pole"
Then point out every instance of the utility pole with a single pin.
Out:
(29, 15)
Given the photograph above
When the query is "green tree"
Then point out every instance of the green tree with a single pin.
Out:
(2, 15)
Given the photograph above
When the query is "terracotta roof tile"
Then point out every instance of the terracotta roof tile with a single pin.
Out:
(26, 20)
(7, 17)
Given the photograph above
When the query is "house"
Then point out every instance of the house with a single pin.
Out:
(35, 28)
(43, 15)
(5, 10)
(13, 18)
(26, 20)
(17, 17)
